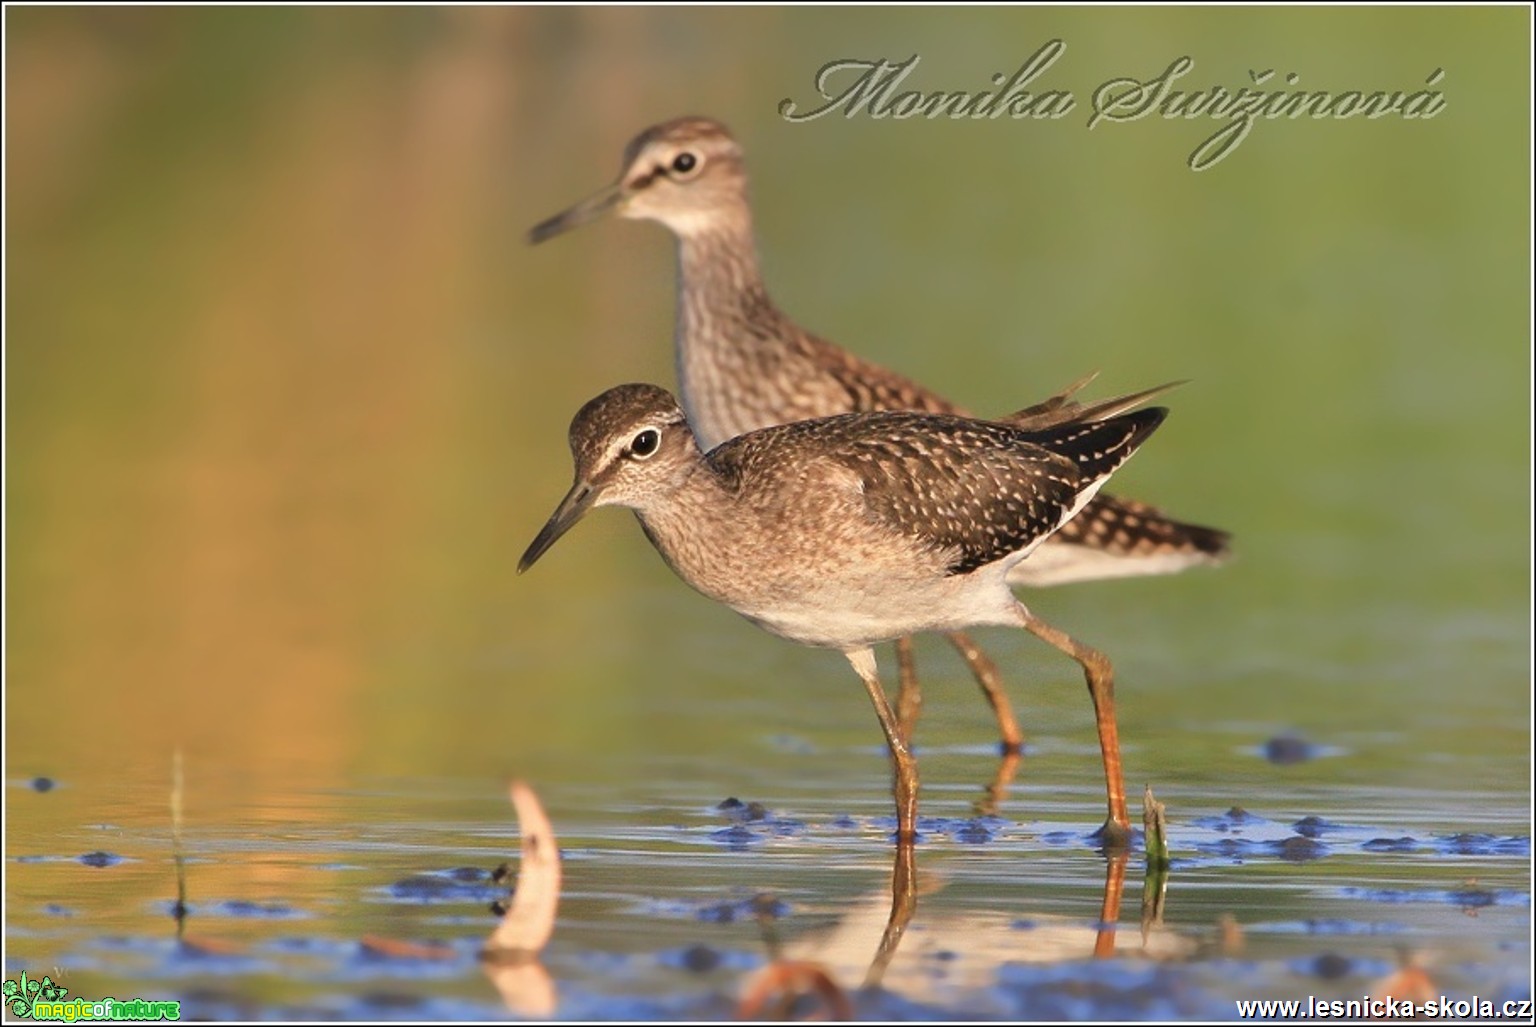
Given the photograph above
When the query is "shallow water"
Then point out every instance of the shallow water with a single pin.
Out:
(286, 397)
(293, 903)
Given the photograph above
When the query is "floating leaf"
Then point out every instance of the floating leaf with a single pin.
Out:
(511, 955)
(530, 921)
(379, 946)
(773, 991)
(195, 946)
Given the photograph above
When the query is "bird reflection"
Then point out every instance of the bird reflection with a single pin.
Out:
(997, 789)
(972, 943)
(903, 905)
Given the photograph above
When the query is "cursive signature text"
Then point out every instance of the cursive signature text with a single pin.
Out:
(878, 89)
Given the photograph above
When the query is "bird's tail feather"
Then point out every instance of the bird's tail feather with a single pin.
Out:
(1062, 409)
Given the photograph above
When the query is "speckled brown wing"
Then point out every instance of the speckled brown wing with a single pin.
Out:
(1120, 527)
(870, 386)
(969, 489)
(977, 490)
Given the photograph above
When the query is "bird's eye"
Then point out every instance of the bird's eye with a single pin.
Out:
(684, 163)
(645, 444)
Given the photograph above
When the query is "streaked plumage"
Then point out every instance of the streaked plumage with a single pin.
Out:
(846, 531)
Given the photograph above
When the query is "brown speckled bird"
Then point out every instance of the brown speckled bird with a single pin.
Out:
(846, 531)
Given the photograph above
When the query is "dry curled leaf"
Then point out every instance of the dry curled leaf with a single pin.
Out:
(771, 994)
(378, 946)
(528, 924)
(199, 946)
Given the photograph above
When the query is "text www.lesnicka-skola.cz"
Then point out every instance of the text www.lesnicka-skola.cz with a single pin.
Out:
(1368, 1008)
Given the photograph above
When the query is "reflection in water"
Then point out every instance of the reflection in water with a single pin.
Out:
(1109, 912)
(974, 944)
(523, 983)
(178, 853)
(982, 941)
(903, 905)
(997, 789)
(1154, 894)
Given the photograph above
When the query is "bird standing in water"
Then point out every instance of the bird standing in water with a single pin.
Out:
(846, 531)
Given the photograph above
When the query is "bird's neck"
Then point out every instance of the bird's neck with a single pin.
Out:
(692, 525)
(718, 278)
(728, 330)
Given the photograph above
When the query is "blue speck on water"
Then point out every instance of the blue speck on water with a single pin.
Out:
(1299, 849)
(1232, 818)
(737, 836)
(1284, 750)
(443, 886)
(1466, 898)
(697, 958)
(1349, 927)
(1312, 827)
(101, 859)
(1329, 966)
(744, 909)
(1473, 898)
(973, 832)
(242, 909)
(700, 958)
(1470, 844)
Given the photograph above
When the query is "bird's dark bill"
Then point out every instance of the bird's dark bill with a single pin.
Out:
(590, 209)
(571, 508)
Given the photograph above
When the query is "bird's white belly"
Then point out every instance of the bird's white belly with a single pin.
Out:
(881, 609)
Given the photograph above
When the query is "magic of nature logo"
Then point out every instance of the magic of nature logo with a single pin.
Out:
(42, 999)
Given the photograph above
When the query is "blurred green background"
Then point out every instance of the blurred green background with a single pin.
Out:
(287, 392)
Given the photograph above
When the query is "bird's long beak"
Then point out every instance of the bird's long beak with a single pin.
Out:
(590, 209)
(576, 503)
